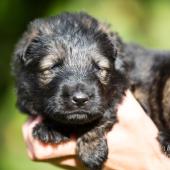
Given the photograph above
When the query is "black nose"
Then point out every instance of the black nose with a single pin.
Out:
(80, 98)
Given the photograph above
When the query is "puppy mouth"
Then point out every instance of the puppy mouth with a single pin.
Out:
(76, 117)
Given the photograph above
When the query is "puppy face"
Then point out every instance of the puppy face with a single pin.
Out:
(74, 84)
(67, 72)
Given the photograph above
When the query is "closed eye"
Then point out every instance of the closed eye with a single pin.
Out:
(49, 65)
(97, 67)
(59, 63)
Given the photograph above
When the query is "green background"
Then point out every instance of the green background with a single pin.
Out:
(146, 22)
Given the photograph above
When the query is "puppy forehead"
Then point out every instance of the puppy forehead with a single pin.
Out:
(73, 55)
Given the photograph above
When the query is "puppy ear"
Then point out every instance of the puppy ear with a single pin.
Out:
(113, 37)
(23, 44)
(117, 47)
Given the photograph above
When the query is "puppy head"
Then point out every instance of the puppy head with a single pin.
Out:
(66, 68)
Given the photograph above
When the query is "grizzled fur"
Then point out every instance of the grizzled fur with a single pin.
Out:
(149, 79)
(73, 71)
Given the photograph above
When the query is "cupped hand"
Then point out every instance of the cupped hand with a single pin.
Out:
(132, 142)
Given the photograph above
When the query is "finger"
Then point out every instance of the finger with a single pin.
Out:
(68, 162)
(48, 151)
(29, 124)
(27, 134)
(30, 150)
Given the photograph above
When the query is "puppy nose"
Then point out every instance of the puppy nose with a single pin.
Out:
(80, 98)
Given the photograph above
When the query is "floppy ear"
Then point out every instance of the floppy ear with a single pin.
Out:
(118, 47)
(19, 60)
(23, 44)
(114, 38)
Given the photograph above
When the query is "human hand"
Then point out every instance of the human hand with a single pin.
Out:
(58, 154)
(132, 142)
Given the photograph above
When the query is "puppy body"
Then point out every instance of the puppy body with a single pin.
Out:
(73, 71)
(149, 78)
(149, 75)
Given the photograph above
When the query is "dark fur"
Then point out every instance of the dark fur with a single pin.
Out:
(149, 78)
(60, 59)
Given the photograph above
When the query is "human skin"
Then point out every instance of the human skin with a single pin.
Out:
(132, 143)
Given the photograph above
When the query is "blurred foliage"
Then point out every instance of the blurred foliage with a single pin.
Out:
(142, 21)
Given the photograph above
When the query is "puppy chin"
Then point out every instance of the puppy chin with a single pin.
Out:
(78, 117)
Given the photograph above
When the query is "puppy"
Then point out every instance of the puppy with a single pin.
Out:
(73, 71)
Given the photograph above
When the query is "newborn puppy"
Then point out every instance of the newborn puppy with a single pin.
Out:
(73, 71)
(67, 71)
